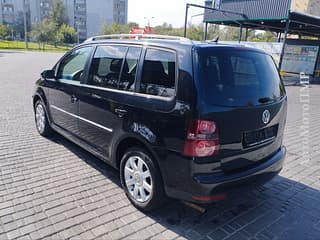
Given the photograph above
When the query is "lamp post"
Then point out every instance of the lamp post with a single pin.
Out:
(25, 23)
(148, 20)
(76, 25)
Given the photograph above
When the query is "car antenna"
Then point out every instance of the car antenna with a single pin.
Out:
(216, 39)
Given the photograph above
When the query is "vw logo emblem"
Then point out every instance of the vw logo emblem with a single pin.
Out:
(266, 117)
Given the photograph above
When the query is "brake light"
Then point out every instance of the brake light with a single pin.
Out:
(202, 139)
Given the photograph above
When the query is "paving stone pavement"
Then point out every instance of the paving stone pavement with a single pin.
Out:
(52, 189)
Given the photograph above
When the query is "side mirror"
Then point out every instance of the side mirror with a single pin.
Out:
(48, 74)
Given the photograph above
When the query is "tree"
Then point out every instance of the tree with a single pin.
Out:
(227, 33)
(115, 28)
(195, 32)
(67, 34)
(43, 32)
(58, 17)
(58, 14)
(4, 31)
(263, 36)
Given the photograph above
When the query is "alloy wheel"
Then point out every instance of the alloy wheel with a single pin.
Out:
(40, 118)
(138, 179)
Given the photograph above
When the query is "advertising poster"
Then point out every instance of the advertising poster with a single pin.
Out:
(299, 58)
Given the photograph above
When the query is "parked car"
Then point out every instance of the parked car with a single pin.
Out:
(181, 119)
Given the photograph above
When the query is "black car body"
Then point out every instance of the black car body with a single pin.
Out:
(204, 118)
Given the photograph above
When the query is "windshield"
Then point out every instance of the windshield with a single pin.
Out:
(237, 77)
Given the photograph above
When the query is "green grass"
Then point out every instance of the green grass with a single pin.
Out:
(16, 45)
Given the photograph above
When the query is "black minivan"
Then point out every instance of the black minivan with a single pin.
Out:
(182, 119)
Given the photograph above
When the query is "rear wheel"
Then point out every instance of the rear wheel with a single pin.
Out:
(41, 119)
(141, 180)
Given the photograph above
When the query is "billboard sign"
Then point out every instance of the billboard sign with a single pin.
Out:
(300, 58)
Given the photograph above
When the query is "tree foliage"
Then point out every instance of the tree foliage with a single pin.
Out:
(115, 28)
(54, 29)
(67, 34)
(4, 31)
(43, 32)
(196, 32)
(58, 14)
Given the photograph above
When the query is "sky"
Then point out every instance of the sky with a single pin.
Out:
(169, 11)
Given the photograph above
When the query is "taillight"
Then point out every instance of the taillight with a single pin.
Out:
(202, 139)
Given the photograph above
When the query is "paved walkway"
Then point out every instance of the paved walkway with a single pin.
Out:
(52, 189)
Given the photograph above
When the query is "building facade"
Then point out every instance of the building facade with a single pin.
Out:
(306, 6)
(105, 12)
(120, 11)
(86, 16)
(7, 12)
(259, 9)
(77, 16)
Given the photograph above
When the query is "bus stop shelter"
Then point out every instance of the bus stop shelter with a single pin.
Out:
(269, 15)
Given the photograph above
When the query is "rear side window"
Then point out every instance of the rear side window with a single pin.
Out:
(106, 66)
(129, 70)
(158, 73)
(232, 77)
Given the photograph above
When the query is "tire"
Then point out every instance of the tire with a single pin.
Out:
(41, 119)
(141, 180)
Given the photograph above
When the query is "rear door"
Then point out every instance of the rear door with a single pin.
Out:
(99, 96)
(242, 92)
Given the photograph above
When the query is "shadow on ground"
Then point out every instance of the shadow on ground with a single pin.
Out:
(281, 209)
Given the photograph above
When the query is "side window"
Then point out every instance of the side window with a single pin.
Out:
(158, 73)
(129, 71)
(72, 66)
(106, 66)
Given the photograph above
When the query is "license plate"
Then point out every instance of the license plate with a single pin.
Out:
(261, 136)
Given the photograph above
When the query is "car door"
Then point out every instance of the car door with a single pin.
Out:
(98, 114)
(63, 99)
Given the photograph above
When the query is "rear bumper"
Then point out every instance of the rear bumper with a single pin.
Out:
(206, 188)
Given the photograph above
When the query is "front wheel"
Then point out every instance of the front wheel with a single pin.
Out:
(141, 180)
(41, 119)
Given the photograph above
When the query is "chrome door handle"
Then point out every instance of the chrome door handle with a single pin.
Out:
(74, 99)
(120, 112)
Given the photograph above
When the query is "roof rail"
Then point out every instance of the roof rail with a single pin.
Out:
(136, 37)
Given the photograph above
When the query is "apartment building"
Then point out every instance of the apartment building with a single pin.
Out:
(86, 16)
(40, 9)
(77, 16)
(101, 12)
(7, 14)
(307, 6)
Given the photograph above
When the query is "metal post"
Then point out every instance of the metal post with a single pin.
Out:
(279, 36)
(204, 7)
(25, 23)
(186, 21)
(284, 43)
(205, 31)
(240, 34)
(246, 37)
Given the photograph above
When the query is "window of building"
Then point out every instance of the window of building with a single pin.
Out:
(129, 70)
(106, 66)
(72, 66)
(158, 73)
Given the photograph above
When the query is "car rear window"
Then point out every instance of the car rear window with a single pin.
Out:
(237, 77)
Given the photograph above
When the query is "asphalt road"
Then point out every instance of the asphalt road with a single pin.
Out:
(52, 189)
